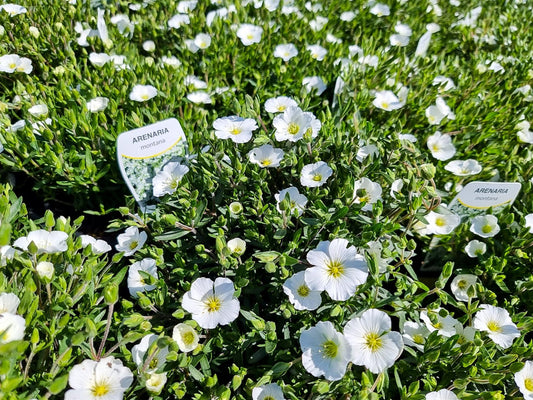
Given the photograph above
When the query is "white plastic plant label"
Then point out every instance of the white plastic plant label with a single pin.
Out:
(142, 153)
(476, 197)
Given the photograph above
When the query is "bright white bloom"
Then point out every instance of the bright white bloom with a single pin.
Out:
(325, 351)
(149, 46)
(369, 150)
(11, 327)
(524, 134)
(143, 93)
(396, 187)
(475, 248)
(497, 323)
(366, 191)
(139, 283)
(285, 51)
(311, 83)
(179, 20)
(38, 110)
(463, 167)
(524, 380)
(99, 59)
(249, 34)
(46, 242)
(403, 29)
(438, 112)
(399, 40)
(443, 394)
(186, 337)
(292, 124)
(466, 334)
(315, 175)
(96, 380)
(301, 297)
(97, 104)
(9, 303)
(423, 42)
(6, 254)
(347, 16)
(317, 52)
(124, 25)
(444, 83)
(415, 334)
(98, 246)
(460, 285)
(17, 126)
(444, 325)
(441, 224)
(236, 246)
(171, 61)
(336, 268)
(167, 179)
(199, 97)
(271, 5)
(202, 41)
(238, 129)
(131, 241)
(13, 9)
(13, 63)
(211, 303)
(272, 391)
(387, 100)
(485, 226)
(380, 10)
(529, 222)
(318, 23)
(279, 104)
(441, 146)
(148, 348)
(156, 382)
(186, 6)
(266, 156)
(408, 137)
(373, 343)
(45, 270)
(296, 200)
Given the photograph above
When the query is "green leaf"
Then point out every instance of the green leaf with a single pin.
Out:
(59, 384)
(267, 256)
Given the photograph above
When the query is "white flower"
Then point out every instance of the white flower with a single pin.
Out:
(314, 83)
(45, 270)
(399, 40)
(336, 268)
(296, 200)
(475, 248)
(485, 226)
(98, 246)
(211, 303)
(524, 380)
(171, 61)
(11, 327)
(149, 45)
(236, 246)
(380, 10)
(441, 146)
(285, 51)
(186, 337)
(387, 100)
(266, 156)
(366, 191)
(272, 391)
(199, 97)
(143, 93)
(249, 34)
(423, 42)
(443, 394)
(13, 63)
(6, 254)
(202, 41)
(13, 9)
(124, 25)
(99, 59)
(94, 380)
(9, 303)
(438, 112)
(238, 129)
(315, 175)
(167, 179)
(403, 29)
(38, 110)
(156, 382)
(529, 222)
(292, 124)
(497, 323)
(301, 297)
(97, 104)
(325, 351)
(317, 52)
(139, 283)
(460, 285)
(347, 16)
(365, 151)
(415, 334)
(179, 20)
(279, 104)
(131, 241)
(196, 82)
(408, 137)
(148, 349)
(373, 343)
(318, 23)
(396, 187)
(441, 224)
(444, 83)
(444, 325)
(46, 242)
(463, 167)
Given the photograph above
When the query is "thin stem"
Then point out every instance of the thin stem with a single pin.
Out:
(106, 332)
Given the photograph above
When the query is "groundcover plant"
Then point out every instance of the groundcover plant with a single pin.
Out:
(302, 246)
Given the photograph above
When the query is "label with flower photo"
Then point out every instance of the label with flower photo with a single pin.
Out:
(476, 197)
(143, 152)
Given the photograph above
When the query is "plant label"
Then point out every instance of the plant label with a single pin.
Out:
(142, 153)
(476, 197)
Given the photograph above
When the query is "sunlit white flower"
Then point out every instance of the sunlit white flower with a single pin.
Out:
(425, 39)
(211, 303)
(415, 334)
(14, 63)
(443, 394)
(98, 246)
(296, 200)
(475, 248)
(524, 380)
(249, 34)
(485, 226)
(179, 20)
(167, 179)
(131, 241)
(186, 337)
(46, 242)
(11, 327)
(96, 380)
(99, 59)
(17, 126)
(6, 254)
(366, 191)
(529, 222)
(441, 224)
(272, 391)
(13, 9)
(238, 129)
(365, 151)
(9, 303)
(155, 382)
(466, 334)
(407, 137)
(380, 10)
(441, 146)
(279, 104)
(292, 124)
(445, 326)
(463, 167)
(202, 41)
(285, 51)
(199, 97)
(311, 83)
(399, 40)
(149, 46)
(171, 61)
(317, 52)
(186, 6)
(387, 100)
(237, 246)
(325, 351)
(124, 25)
(45, 270)
(524, 134)
(148, 349)
(497, 323)
(315, 175)
(271, 5)
(460, 285)
(373, 343)
(143, 93)
(266, 156)
(336, 268)
(444, 83)
(138, 281)
(438, 112)
(347, 16)
(318, 23)
(97, 104)
(301, 297)
(38, 110)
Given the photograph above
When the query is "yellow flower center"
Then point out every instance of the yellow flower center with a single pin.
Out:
(266, 162)
(335, 268)
(281, 108)
(303, 291)
(317, 177)
(250, 36)
(213, 304)
(173, 184)
(188, 338)
(144, 97)
(133, 244)
(438, 325)
(153, 363)
(100, 389)
(494, 326)
(440, 221)
(373, 342)
(435, 147)
(462, 284)
(235, 130)
(293, 128)
(528, 383)
(486, 229)
(269, 398)
(418, 338)
(12, 65)
(330, 349)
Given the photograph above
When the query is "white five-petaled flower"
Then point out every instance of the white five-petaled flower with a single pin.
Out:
(524, 380)
(279, 104)
(98, 246)
(142, 93)
(45, 270)
(444, 325)
(9, 303)
(46, 242)
(336, 268)
(131, 241)
(186, 337)
(148, 349)
(11, 327)
(387, 100)
(236, 128)
(497, 323)
(438, 112)
(178, 20)
(249, 34)
(292, 124)
(444, 83)
(317, 52)
(299, 293)
(211, 303)
(285, 51)
(460, 285)
(366, 191)
(443, 394)
(266, 156)
(485, 226)
(325, 351)
(441, 224)
(475, 248)
(296, 200)
(202, 41)
(272, 391)
(38, 110)
(316, 174)
(415, 334)
(529, 222)
(441, 146)
(138, 282)
(237, 246)
(380, 10)
(96, 380)
(13, 9)
(373, 343)
(311, 83)
(97, 104)
(167, 179)
(463, 167)
(13, 63)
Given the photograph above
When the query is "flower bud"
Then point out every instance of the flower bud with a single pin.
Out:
(45, 270)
